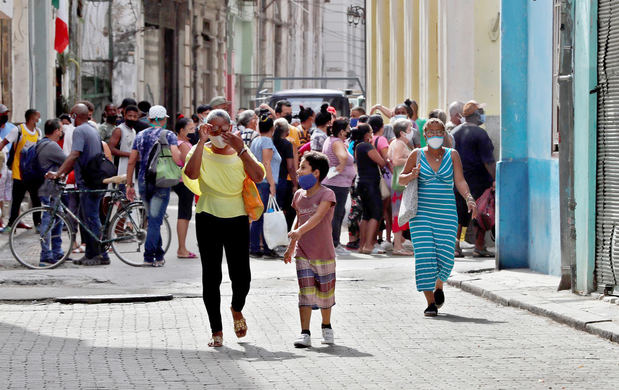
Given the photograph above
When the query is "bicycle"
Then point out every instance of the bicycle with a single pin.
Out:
(124, 228)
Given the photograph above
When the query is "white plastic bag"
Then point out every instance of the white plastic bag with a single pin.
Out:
(275, 229)
(408, 204)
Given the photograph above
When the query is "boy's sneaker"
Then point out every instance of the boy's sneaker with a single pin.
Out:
(341, 251)
(303, 341)
(327, 336)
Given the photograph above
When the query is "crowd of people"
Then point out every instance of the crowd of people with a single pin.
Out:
(319, 167)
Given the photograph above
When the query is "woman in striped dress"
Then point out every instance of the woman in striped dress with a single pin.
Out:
(434, 228)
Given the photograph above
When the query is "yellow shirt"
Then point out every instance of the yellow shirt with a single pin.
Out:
(25, 139)
(220, 184)
(293, 136)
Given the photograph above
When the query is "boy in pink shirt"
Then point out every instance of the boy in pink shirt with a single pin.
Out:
(312, 245)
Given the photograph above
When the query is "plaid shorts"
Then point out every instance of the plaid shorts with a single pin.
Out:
(316, 282)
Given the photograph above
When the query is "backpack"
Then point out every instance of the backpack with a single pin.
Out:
(29, 166)
(11, 157)
(161, 170)
(96, 170)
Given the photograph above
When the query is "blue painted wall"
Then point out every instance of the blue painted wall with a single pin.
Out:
(528, 174)
(512, 176)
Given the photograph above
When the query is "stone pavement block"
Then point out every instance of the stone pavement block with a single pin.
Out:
(537, 293)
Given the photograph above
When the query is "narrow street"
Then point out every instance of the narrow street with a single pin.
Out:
(382, 340)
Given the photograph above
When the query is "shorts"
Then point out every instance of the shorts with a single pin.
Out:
(464, 217)
(371, 201)
(316, 282)
(6, 185)
(185, 201)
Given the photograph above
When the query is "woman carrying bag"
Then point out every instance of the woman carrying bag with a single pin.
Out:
(434, 227)
(223, 170)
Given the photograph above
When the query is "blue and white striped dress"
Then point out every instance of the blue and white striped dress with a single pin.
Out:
(434, 228)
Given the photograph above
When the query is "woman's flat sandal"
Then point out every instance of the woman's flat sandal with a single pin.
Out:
(240, 328)
(216, 341)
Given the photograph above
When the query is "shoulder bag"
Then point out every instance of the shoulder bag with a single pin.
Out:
(408, 206)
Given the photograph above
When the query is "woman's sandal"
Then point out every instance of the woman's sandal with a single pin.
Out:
(402, 252)
(240, 326)
(216, 341)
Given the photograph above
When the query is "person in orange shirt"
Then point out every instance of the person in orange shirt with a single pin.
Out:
(306, 116)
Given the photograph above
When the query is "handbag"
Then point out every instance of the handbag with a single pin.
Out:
(408, 205)
(275, 228)
(385, 191)
(486, 210)
(251, 198)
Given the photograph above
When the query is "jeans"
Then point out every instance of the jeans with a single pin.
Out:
(89, 210)
(19, 191)
(53, 236)
(156, 203)
(283, 193)
(216, 234)
(255, 235)
(341, 194)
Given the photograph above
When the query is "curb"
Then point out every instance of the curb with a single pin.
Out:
(602, 328)
(120, 298)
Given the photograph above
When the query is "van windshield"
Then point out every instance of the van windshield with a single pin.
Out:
(314, 102)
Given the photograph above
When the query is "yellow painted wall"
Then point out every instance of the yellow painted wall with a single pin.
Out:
(487, 56)
(395, 59)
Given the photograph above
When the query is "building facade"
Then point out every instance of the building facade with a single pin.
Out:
(435, 52)
(178, 53)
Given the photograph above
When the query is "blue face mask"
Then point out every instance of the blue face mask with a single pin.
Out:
(307, 181)
(482, 118)
(353, 122)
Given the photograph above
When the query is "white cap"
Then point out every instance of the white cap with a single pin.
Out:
(157, 112)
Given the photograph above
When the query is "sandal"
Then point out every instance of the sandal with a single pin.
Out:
(482, 253)
(216, 341)
(402, 252)
(190, 255)
(458, 253)
(240, 326)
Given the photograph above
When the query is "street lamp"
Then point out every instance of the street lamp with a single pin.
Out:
(355, 14)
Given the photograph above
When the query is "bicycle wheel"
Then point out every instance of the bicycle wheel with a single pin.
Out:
(128, 232)
(26, 245)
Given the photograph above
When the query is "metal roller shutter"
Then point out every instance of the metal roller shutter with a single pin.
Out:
(607, 219)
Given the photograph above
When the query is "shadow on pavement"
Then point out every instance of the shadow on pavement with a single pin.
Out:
(340, 351)
(38, 361)
(455, 318)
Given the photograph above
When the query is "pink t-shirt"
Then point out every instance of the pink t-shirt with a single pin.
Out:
(317, 244)
(382, 143)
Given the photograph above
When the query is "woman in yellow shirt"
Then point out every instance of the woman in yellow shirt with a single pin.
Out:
(220, 167)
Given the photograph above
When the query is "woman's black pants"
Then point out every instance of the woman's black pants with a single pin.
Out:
(214, 235)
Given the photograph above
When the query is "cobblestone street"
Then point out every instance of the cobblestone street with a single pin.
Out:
(383, 341)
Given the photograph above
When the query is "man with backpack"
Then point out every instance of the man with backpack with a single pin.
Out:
(22, 138)
(157, 152)
(91, 167)
(49, 157)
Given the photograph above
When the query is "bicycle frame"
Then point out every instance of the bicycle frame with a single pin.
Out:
(57, 204)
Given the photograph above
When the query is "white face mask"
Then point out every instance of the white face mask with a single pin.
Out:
(218, 141)
(435, 142)
(396, 117)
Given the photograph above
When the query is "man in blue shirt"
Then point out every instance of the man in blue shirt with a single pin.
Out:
(155, 199)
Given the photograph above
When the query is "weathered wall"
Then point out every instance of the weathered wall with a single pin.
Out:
(585, 119)
(528, 181)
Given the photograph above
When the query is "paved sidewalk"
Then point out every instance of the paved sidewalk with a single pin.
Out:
(538, 294)
(382, 341)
